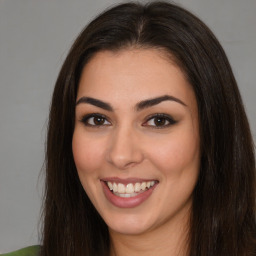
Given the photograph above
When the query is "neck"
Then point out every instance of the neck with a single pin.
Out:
(171, 238)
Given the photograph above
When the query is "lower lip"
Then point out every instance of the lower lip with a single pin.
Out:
(124, 202)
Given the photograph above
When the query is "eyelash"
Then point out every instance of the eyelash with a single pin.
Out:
(85, 120)
(161, 117)
(102, 118)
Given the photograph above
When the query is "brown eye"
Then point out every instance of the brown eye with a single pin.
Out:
(96, 120)
(159, 121)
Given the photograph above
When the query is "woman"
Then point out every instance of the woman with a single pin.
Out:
(149, 151)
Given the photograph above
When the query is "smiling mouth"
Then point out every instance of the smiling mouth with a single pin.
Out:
(130, 189)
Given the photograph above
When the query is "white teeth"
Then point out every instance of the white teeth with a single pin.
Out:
(130, 189)
(120, 188)
(143, 185)
(110, 185)
(137, 187)
(115, 188)
(127, 195)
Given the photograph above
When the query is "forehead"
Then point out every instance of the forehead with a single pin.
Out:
(133, 74)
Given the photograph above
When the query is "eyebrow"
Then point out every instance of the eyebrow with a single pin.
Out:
(139, 106)
(154, 101)
(95, 102)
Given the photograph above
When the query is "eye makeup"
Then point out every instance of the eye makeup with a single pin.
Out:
(154, 121)
(95, 120)
(159, 121)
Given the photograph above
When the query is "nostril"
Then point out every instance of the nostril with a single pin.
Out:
(124, 160)
(124, 149)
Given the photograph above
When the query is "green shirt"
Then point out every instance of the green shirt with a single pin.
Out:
(28, 251)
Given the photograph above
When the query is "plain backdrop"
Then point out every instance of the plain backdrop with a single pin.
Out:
(35, 37)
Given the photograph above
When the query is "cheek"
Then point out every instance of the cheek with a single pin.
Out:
(88, 159)
(176, 154)
(87, 155)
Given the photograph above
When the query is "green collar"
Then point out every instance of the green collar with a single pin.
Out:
(28, 251)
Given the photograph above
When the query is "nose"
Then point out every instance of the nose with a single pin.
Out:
(125, 150)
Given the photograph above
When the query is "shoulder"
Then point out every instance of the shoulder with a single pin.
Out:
(28, 251)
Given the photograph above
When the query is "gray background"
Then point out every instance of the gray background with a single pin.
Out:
(35, 36)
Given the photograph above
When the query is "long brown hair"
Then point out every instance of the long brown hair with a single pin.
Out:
(223, 214)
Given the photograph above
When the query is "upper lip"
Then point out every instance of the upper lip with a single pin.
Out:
(126, 180)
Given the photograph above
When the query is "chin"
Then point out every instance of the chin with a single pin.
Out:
(129, 225)
(127, 229)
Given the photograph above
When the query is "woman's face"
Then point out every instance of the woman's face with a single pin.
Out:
(136, 139)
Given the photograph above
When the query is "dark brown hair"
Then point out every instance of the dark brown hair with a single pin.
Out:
(223, 214)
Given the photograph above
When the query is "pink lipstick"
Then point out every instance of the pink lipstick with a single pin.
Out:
(127, 193)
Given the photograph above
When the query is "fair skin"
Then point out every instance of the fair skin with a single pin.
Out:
(137, 125)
